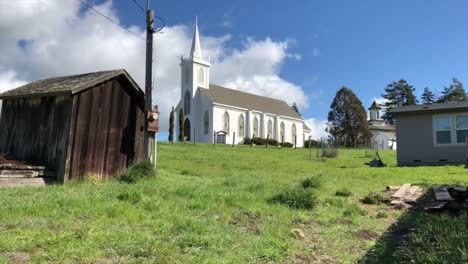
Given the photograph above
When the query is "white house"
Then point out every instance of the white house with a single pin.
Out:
(212, 112)
(383, 134)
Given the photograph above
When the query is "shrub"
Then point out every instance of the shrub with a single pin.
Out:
(287, 145)
(261, 141)
(130, 196)
(343, 192)
(137, 171)
(373, 198)
(297, 198)
(329, 153)
(381, 214)
(312, 182)
(313, 143)
(354, 209)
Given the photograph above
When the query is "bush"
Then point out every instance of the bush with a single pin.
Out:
(343, 192)
(313, 143)
(329, 153)
(312, 182)
(130, 196)
(287, 145)
(373, 198)
(137, 171)
(353, 210)
(297, 198)
(261, 141)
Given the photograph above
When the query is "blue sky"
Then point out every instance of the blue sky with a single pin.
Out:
(361, 44)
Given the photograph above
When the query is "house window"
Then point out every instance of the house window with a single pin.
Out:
(282, 131)
(226, 122)
(270, 129)
(201, 76)
(293, 132)
(255, 127)
(461, 126)
(241, 126)
(206, 123)
(443, 129)
(187, 100)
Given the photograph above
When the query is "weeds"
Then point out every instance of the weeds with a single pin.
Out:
(373, 198)
(343, 192)
(137, 171)
(314, 182)
(297, 198)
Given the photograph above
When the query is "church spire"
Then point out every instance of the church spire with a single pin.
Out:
(195, 52)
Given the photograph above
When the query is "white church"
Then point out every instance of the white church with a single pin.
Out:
(383, 134)
(214, 113)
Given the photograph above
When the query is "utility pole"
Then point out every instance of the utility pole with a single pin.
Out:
(148, 75)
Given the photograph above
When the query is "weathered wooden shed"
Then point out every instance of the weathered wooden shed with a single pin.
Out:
(81, 125)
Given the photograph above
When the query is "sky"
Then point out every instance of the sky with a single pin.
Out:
(297, 51)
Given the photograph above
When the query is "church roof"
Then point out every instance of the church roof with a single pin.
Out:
(375, 106)
(222, 95)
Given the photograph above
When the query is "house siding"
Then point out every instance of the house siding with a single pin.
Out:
(416, 142)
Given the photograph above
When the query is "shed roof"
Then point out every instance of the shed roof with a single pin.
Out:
(226, 96)
(67, 84)
(375, 106)
(432, 108)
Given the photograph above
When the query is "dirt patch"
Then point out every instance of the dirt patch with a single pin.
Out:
(18, 257)
(247, 221)
(365, 234)
(342, 221)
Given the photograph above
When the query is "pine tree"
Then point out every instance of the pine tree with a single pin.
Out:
(347, 119)
(427, 97)
(455, 92)
(295, 109)
(171, 126)
(398, 94)
(181, 125)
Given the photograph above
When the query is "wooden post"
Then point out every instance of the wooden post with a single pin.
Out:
(282, 141)
(214, 138)
(466, 151)
(318, 148)
(251, 141)
(266, 143)
(295, 142)
(310, 149)
(233, 138)
(194, 136)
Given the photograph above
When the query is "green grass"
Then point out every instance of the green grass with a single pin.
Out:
(213, 205)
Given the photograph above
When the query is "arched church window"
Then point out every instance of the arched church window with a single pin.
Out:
(187, 99)
(241, 125)
(293, 132)
(206, 123)
(282, 132)
(255, 127)
(270, 129)
(226, 122)
(201, 76)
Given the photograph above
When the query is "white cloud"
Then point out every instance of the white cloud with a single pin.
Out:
(46, 38)
(318, 128)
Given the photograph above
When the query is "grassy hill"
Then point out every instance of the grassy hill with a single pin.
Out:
(233, 205)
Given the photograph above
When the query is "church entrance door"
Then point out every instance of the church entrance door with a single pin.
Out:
(187, 129)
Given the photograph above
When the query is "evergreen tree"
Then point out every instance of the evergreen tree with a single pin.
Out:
(181, 125)
(295, 109)
(171, 126)
(427, 97)
(347, 119)
(398, 94)
(455, 92)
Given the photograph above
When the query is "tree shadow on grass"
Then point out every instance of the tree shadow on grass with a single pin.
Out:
(420, 236)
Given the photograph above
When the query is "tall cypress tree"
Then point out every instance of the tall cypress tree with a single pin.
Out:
(427, 97)
(455, 92)
(181, 125)
(347, 119)
(171, 126)
(398, 94)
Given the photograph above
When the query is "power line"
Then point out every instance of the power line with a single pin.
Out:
(111, 20)
(139, 6)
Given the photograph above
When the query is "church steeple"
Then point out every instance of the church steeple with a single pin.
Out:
(196, 52)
